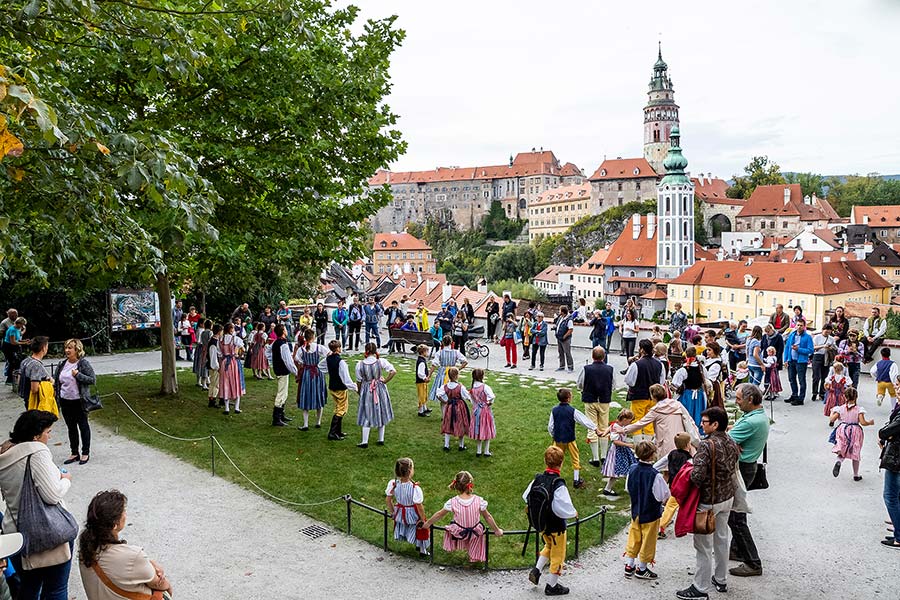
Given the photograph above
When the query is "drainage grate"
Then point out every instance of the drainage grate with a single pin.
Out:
(314, 531)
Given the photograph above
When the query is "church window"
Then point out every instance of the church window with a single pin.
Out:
(684, 202)
(685, 230)
(656, 135)
(668, 254)
(668, 231)
(685, 255)
(668, 206)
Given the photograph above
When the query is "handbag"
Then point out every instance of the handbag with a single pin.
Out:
(91, 403)
(759, 480)
(44, 526)
(705, 520)
(155, 595)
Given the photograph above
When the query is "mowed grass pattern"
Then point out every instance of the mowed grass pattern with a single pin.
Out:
(305, 467)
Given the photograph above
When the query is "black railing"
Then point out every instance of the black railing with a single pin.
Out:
(600, 515)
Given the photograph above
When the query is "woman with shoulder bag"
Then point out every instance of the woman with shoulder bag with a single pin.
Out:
(72, 383)
(44, 574)
(889, 440)
(111, 568)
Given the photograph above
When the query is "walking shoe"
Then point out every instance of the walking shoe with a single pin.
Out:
(790, 399)
(691, 593)
(421, 414)
(857, 478)
(629, 570)
(594, 463)
(487, 455)
(571, 369)
(891, 544)
(662, 534)
(542, 367)
(579, 483)
(446, 448)
(611, 493)
(797, 402)
(645, 574)
(837, 469)
(534, 575)
(303, 428)
(556, 590)
(561, 369)
(462, 448)
(531, 368)
(745, 570)
(362, 445)
(379, 443)
(212, 403)
(720, 587)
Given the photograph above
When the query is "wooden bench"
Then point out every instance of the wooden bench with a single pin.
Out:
(414, 338)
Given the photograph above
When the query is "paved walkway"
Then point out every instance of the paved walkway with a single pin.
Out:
(818, 536)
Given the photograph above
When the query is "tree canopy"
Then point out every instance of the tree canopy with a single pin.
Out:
(760, 171)
(222, 144)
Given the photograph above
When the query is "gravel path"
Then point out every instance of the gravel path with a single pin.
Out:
(818, 536)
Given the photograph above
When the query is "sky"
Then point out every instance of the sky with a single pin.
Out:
(815, 85)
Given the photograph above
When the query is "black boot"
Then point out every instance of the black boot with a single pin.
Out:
(276, 417)
(284, 417)
(335, 427)
(340, 432)
(212, 403)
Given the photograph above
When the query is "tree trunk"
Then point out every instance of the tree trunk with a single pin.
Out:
(169, 384)
(203, 304)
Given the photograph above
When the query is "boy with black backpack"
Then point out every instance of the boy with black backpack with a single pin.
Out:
(549, 505)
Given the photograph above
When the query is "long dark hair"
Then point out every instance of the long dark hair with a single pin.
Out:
(103, 514)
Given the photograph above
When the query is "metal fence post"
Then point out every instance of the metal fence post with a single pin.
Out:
(431, 541)
(212, 454)
(577, 535)
(385, 529)
(603, 526)
(487, 549)
(349, 511)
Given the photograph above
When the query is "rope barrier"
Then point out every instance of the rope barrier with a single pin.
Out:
(215, 441)
(90, 337)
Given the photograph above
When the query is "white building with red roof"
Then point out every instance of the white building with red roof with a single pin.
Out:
(587, 280)
(783, 210)
(884, 221)
(401, 253)
(621, 180)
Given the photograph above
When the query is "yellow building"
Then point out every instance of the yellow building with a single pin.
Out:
(731, 290)
(556, 210)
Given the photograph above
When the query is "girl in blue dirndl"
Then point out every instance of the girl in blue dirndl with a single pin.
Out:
(375, 410)
(444, 359)
(311, 391)
(690, 380)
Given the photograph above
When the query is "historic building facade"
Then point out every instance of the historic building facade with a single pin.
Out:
(660, 115)
(557, 209)
(675, 214)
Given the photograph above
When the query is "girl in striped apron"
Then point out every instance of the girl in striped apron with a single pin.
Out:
(404, 501)
(465, 531)
(231, 385)
(445, 358)
(482, 426)
(311, 391)
(372, 373)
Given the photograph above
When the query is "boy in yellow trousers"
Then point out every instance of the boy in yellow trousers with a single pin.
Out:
(648, 491)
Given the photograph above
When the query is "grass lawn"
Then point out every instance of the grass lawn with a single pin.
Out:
(306, 467)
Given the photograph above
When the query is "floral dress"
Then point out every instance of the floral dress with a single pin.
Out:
(835, 395)
(482, 425)
(619, 459)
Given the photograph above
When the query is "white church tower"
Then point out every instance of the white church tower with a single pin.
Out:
(675, 212)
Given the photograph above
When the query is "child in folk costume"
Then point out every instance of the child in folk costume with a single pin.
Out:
(689, 381)
(258, 361)
(716, 373)
(886, 377)
(375, 410)
(548, 505)
(482, 426)
(676, 459)
(404, 500)
(454, 410)
(186, 332)
(213, 365)
(201, 370)
(620, 457)
(648, 490)
(836, 383)
(310, 360)
(741, 375)
(465, 531)
(773, 380)
(847, 437)
(270, 340)
(562, 429)
(422, 379)
(444, 359)
(339, 384)
(231, 383)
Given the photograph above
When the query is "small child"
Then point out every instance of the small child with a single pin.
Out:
(772, 378)
(339, 385)
(661, 353)
(548, 508)
(422, 379)
(465, 531)
(482, 426)
(656, 336)
(886, 375)
(621, 456)
(455, 410)
(186, 332)
(648, 490)
(836, 383)
(847, 437)
(741, 374)
(675, 346)
(562, 430)
(676, 459)
(212, 365)
(404, 500)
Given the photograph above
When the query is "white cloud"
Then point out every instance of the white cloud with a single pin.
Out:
(812, 84)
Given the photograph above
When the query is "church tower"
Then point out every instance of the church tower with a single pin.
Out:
(675, 214)
(660, 115)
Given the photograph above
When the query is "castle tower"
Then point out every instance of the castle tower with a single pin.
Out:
(660, 115)
(675, 214)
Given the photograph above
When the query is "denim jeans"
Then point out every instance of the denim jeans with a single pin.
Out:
(819, 373)
(742, 543)
(797, 377)
(372, 330)
(756, 375)
(46, 583)
(853, 372)
(892, 499)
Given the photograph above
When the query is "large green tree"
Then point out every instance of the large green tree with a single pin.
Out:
(810, 183)
(516, 261)
(864, 191)
(191, 144)
(759, 171)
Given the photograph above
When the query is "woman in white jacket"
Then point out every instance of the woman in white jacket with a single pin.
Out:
(44, 575)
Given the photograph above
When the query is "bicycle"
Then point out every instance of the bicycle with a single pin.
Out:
(474, 349)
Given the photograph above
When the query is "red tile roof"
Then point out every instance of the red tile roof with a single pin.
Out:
(655, 294)
(593, 265)
(802, 278)
(713, 191)
(552, 273)
(628, 252)
(768, 201)
(525, 163)
(398, 241)
(567, 192)
(570, 170)
(879, 216)
(623, 168)
(530, 158)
